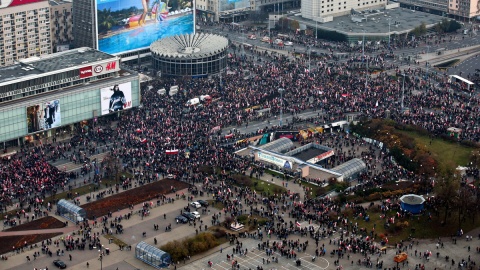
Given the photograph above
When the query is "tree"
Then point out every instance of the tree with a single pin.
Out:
(446, 188)
(465, 204)
(419, 30)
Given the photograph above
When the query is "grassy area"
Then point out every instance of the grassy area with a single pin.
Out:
(315, 190)
(63, 195)
(447, 64)
(215, 204)
(443, 151)
(115, 240)
(275, 174)
(267, 187)
(417, 227)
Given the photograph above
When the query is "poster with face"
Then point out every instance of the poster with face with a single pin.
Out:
(44, 116)
(116, 98)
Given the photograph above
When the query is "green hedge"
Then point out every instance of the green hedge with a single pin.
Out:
(179, 250)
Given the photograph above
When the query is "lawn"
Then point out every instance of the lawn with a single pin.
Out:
(115, 240)
(267, 187)
(421, 227)
(260, 186)
(443, 151)
(215, 204)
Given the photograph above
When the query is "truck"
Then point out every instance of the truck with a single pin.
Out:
(196, 101)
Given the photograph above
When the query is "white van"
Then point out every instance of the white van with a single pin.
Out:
(193, 102)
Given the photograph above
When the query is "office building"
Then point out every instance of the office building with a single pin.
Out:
(61, 25)
(325, 10)
(84, 28)
(26, 30)
(46, 96)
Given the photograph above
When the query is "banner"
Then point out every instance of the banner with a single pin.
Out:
(44, 116)
(275, 160)
(116, 98)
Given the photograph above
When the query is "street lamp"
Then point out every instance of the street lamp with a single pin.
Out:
(281, 90)
(426, 62)
(363, 52)
(100, 257)
(403, 90)
(309, 49)
(389, 20)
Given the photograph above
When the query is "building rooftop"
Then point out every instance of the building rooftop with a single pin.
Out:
(189, 46)
(52, 62)
(58, 2)
(377, 22)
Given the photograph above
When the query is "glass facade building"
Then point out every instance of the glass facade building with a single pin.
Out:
(193, 55)
(152, 255)
(191, 66)
(73, 105)
(71, 211)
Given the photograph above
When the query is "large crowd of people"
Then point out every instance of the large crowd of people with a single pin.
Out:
(166, 137)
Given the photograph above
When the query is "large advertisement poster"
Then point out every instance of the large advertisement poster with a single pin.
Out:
(116, 98)
(226, 5)
(44, 116)
(126, 25)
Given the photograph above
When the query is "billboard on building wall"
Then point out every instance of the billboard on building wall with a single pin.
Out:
(43, 116)
(282, 163)
(116, 98)
(225, 5)
(128, 25)
(12, 3)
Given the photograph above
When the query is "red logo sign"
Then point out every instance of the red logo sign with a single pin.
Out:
(111, 66)
(86, 72)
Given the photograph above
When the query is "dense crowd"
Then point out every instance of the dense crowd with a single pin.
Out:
(143, 136)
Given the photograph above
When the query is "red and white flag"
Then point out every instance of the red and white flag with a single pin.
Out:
(171, 152)
(298, 224)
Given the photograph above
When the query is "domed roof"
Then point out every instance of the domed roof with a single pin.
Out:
(189, 46)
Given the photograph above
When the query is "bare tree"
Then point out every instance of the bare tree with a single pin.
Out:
(446, 188)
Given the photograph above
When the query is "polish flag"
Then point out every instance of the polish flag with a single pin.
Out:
(229, 191)
(171, 152)
(138, 130)
(298, 224)
(229, 136)
(144, 140)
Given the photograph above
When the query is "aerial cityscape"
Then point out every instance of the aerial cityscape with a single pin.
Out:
(240, 134)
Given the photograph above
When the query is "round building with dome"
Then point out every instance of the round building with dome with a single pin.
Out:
(195, 55)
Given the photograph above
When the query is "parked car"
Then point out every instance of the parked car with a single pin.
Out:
(288, 43)
(252, 37)
(60, 264)
(181, 219)
(196, 214)
(189, 216)
(202, 202)
(266, 39)
(195, 205)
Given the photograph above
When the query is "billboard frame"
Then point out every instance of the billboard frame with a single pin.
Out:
(95, 5)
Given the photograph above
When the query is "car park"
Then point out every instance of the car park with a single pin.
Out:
(196, 214)
(202, 202)
(195, 205)
(60, 264)
(181, 219)
(189, 216)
